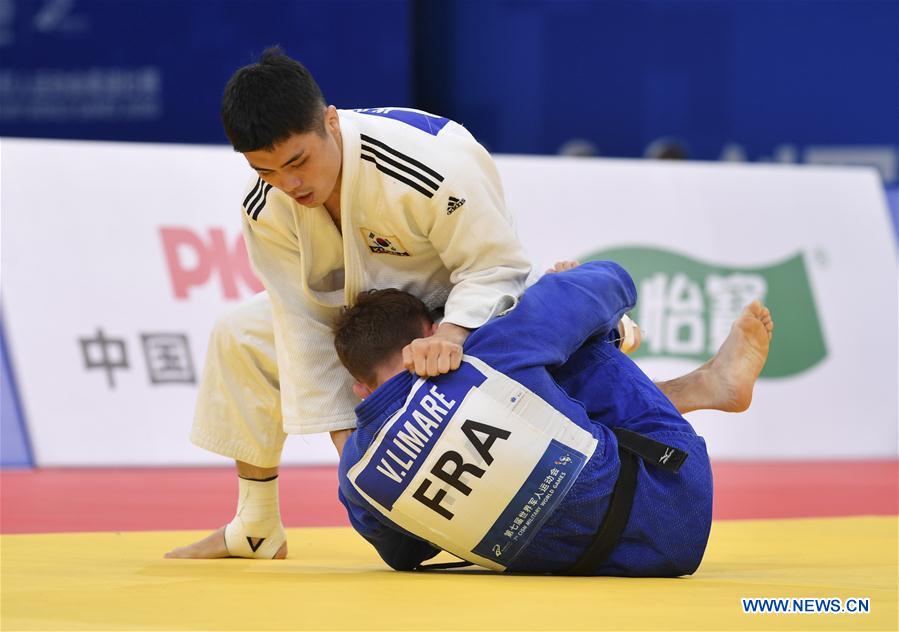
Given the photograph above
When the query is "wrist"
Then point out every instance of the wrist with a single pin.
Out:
(452, 332)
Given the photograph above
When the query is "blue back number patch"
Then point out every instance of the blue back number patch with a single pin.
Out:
(421, 120)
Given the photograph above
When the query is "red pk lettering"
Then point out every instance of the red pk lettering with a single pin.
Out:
(192, 261)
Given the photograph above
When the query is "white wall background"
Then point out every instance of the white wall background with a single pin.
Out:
(83, 250)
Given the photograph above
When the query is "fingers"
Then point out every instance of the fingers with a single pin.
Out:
(443, 364)
(561, 266)
(429, 357)
(420, 355)
(455, 357)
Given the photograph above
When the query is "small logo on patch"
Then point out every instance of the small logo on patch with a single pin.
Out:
(383, 244)
(454, 204)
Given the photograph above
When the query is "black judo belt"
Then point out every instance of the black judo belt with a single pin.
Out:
(631, 446)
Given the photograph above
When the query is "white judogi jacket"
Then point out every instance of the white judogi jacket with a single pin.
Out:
(422, 209)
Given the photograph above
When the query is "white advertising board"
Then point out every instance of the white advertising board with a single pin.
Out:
(117, 258)
(703, 239)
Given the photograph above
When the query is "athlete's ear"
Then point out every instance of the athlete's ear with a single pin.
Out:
(430, 330)
(361, 390)
(331, 119)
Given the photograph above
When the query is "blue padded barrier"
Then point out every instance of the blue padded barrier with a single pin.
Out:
(893, 201)
(15, 448)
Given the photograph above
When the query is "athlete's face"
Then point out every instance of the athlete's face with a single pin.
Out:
(305, 166)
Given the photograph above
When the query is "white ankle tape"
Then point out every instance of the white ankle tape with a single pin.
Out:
(256, 529)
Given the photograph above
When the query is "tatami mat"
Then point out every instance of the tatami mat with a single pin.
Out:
(333, 580)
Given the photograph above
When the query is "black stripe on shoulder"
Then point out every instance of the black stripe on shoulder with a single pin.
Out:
(268, 188)
(397, 164)
(253, 192)
(401, 178)
(258, 202)
(252, 204)
(411, 161)
(256, 197)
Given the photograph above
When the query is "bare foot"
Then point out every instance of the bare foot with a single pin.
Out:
(212, 547)
(731, 374)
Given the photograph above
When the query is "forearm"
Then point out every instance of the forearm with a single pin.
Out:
(477, 243)
(453, 333)
(478, 296)
(561, 311)
(436, 354)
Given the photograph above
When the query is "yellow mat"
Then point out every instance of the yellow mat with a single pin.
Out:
(334, 581)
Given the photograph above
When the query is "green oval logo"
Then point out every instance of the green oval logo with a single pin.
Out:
(686, 307)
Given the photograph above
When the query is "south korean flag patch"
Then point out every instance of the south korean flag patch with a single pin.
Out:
(383, 244)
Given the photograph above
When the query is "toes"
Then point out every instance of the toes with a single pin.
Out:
(755, 309)
(768, 322)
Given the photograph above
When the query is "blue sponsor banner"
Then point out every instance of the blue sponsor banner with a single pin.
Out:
(756, 81)
(425, 122)
(405, 445)
(541, 493)
(154, 70)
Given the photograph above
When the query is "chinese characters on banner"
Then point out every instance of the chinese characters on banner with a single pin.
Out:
(167, 357)
(679, 316)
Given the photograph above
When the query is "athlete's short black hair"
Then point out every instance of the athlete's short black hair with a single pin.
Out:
(267, 102)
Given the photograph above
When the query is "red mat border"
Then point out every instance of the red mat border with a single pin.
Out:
(49, 500)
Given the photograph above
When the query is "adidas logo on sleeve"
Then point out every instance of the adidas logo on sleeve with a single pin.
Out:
(454, 204)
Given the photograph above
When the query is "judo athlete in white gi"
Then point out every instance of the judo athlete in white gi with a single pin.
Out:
(344, 201)
(548, 450)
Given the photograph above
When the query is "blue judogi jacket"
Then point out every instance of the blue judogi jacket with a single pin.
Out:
(557, 344)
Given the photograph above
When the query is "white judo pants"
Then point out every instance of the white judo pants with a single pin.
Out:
(238, 412)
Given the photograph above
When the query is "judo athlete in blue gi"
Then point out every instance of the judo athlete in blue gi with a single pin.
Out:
(547, 451)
